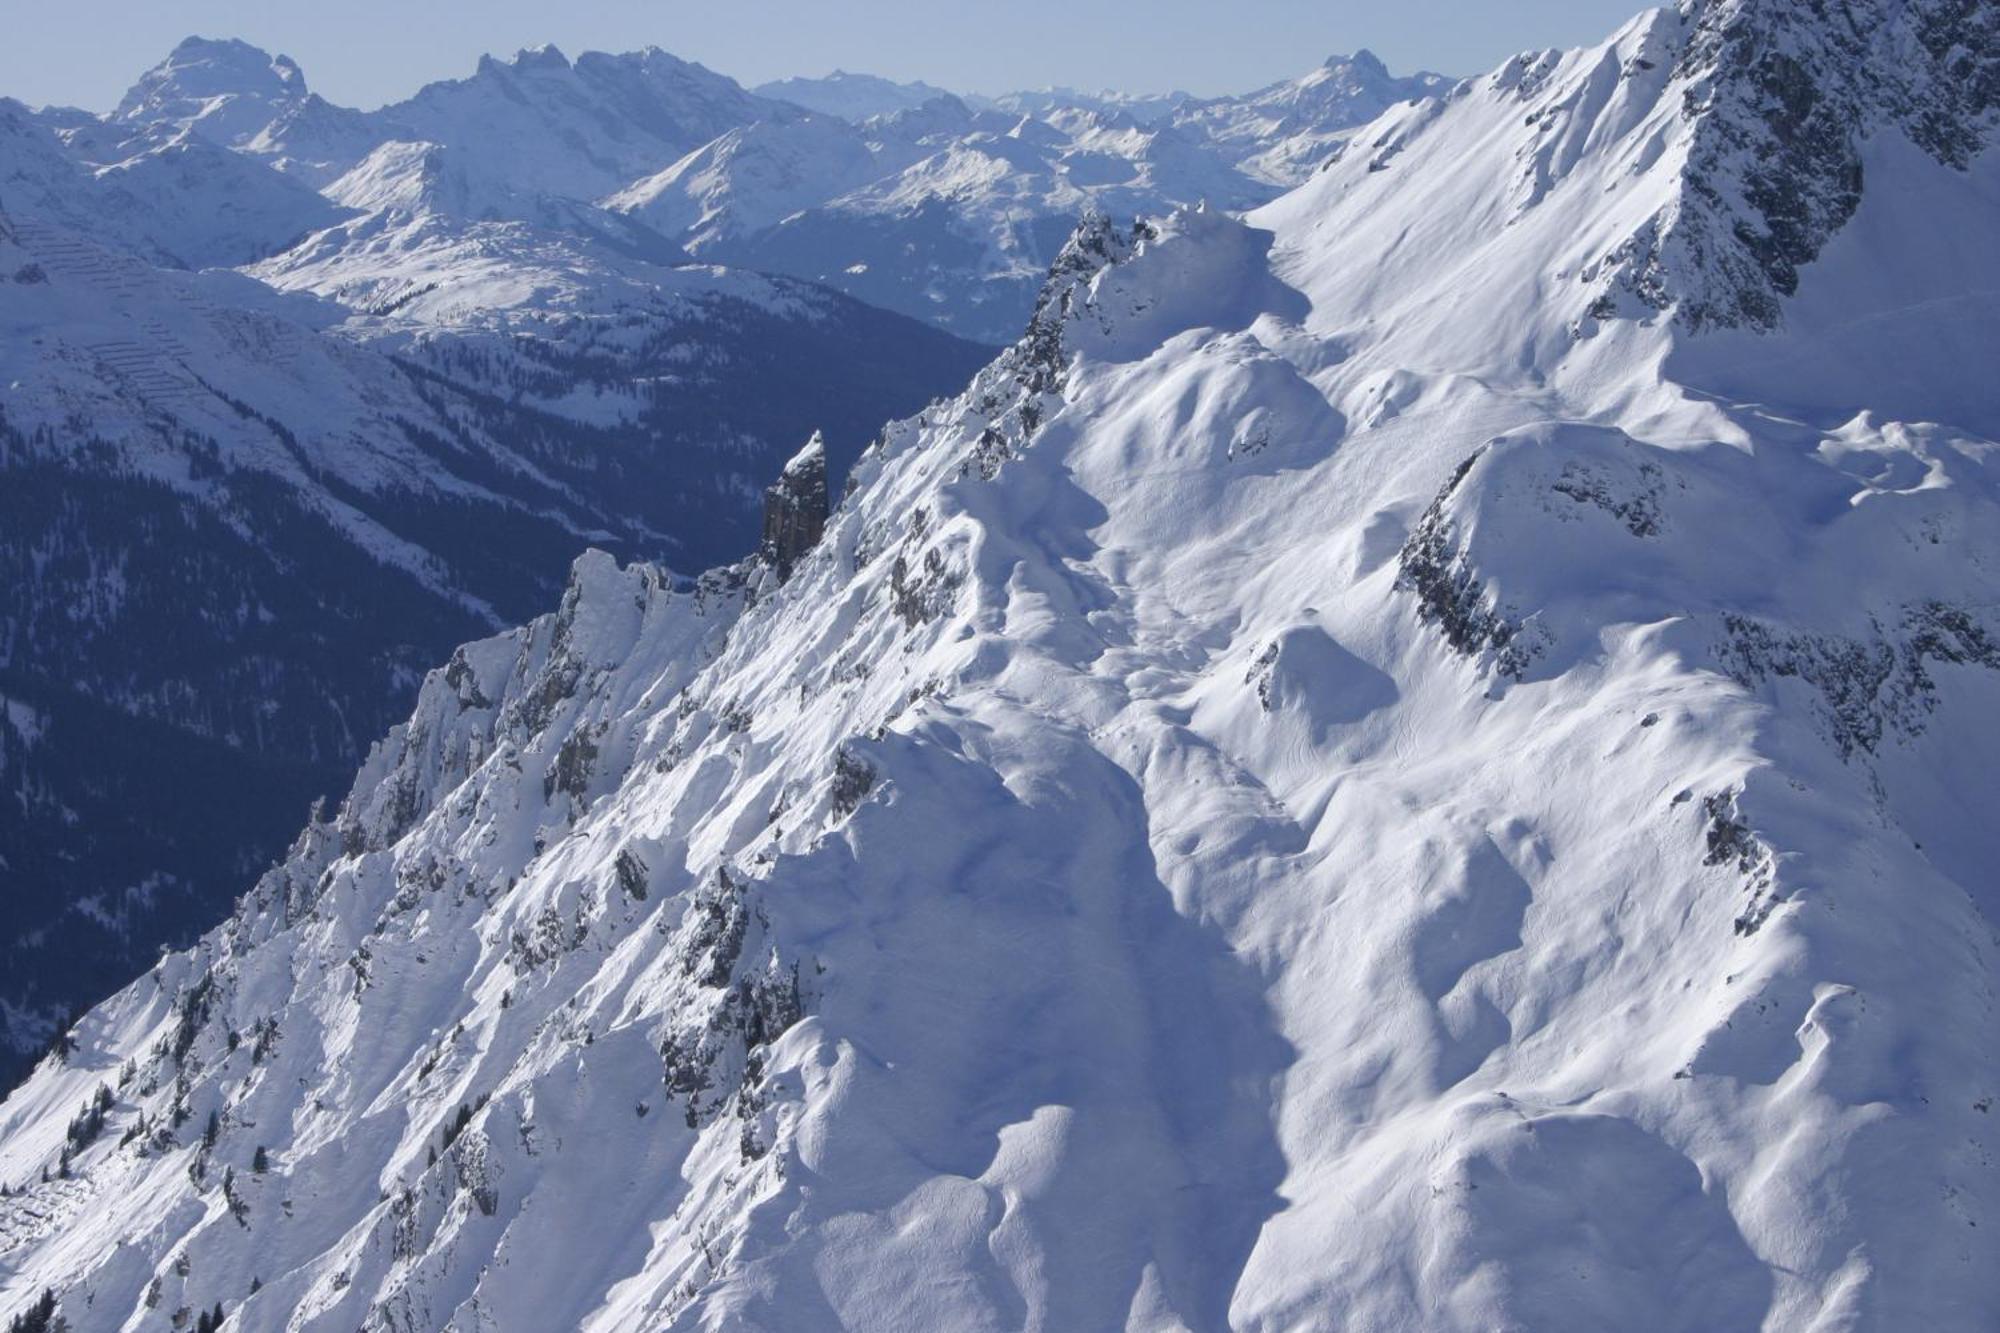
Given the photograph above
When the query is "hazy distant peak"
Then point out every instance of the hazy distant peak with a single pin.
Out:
(852, 97)
(226, 87)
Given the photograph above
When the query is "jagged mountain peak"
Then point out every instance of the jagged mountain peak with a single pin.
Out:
(226, 88)
(1282, 131)
(581, 129)
(944, 113)
(546, 56)
(210, 66)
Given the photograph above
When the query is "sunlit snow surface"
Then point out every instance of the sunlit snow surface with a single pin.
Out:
(1333, 788)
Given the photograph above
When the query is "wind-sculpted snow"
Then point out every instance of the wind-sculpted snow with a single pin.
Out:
(1125, 877)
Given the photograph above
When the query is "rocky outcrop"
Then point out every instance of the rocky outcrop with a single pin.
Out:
(1780, 99)
(795, 508)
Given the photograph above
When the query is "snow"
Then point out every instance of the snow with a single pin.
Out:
(1283, 132)
(228, 90)
(131, 349)
(1345, 782)
(26, 722)
(827, 194)
(979, 189)
(751, 178)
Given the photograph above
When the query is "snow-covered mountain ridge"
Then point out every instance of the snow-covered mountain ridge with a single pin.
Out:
(932, 207)
(1332, 788)
(311, 496)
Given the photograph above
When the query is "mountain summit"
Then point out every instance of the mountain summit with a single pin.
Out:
(229, 90)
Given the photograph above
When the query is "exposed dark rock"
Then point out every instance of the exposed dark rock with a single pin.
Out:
(796, 508)
(1638, 510)
(1730, 842)
(1781, 94)
(1450, 595)
(853, 779)
(632, 873)
(1867, 687)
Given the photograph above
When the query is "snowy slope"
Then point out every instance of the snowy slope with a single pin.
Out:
(168, 196)
(1378, 770)
(201, 205)
(951, 214)
(756, 176)
(688, 384)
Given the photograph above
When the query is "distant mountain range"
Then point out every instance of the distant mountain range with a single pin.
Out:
(941, 208)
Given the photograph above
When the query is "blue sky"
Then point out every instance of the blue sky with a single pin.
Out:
(366, 52)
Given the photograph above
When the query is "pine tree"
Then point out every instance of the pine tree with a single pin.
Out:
(260, 1161)
(38, 1318)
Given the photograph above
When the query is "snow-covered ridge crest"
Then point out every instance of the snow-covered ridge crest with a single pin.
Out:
(502, 775)
(1277, 808)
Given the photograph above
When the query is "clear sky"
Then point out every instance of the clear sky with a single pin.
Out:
(366, 52)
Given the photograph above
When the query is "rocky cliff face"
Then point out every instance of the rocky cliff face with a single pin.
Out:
(1778, 99)
(795, 508)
